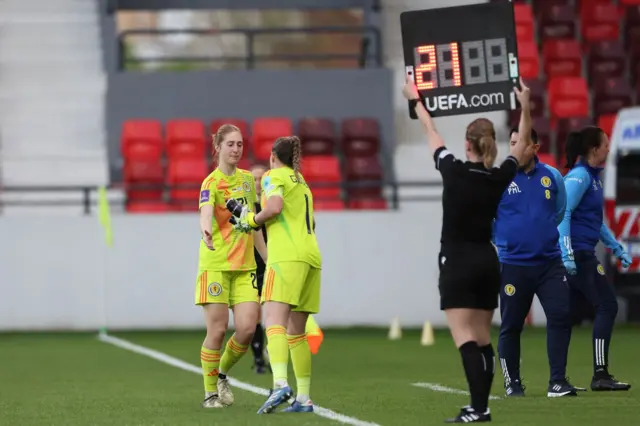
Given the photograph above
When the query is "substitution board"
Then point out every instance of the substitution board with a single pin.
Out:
(463, 59)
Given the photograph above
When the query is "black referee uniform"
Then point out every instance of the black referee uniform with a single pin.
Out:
(257, 345)
(468, 262)
(469, 266)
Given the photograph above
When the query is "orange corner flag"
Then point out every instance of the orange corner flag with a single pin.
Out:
(314, 335)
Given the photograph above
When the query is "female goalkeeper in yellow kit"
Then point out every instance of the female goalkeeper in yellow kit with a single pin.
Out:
(291, 288)
(227, 267)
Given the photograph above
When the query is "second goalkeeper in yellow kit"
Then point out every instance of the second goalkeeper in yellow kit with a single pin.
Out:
(227, 268)
(291, 289)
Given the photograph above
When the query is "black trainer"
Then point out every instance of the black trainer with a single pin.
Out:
(608, 383)
(514, 388)
(468, 415)
(559, 388)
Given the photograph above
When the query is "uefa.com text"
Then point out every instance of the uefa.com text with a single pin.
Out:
(460, 101)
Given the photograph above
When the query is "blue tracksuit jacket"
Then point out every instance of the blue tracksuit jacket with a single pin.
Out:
(526, 224)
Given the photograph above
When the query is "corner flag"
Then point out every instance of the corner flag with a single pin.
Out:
(105, 215)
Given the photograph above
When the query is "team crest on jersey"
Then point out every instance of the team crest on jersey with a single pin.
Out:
(509, 290)
(215, 289)
(600, 269)
(546, 181)
(246, 186)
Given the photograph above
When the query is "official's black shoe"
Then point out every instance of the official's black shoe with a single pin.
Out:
(468, 415)
(514, 388)
(559, 388)
(608, 383)
(261, 367)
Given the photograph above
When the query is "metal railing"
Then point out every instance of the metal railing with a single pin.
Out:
(368, 51)
(88, 197)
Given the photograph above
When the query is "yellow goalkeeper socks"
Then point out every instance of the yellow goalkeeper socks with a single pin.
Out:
(278, 354)
(232, 354)
(301, 360)
(210, 360)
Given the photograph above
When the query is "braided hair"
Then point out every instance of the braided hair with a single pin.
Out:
(288, 150)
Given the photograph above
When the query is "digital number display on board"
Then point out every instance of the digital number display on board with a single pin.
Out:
(463, 59)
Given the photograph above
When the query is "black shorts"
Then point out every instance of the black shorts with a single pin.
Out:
(260, 281)
(469, 276)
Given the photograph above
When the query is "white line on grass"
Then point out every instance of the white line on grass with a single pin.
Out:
(439, 388)
(175, 362)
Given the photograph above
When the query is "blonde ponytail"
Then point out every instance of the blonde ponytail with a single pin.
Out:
(482, 137)
(488, 151)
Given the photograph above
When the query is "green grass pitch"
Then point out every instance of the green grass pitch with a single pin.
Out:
(74, 379)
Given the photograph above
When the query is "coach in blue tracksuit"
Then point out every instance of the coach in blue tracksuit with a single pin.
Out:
(526, 235)
(580, 231)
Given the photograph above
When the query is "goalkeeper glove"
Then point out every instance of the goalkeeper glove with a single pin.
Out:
(242, 218)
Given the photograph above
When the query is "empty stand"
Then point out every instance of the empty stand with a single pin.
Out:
(556, 20)
(147, 207)
(562, 58)
(328, 205)
(360, 137)
(185, 176)
(566, 126)
(568, 97)
(524, 21)
(528, 59)
(264, 133)
(606, 122)
(537, 102)
(317, 136)
(541, 125)
(611, 95)
(323, 176)
(368, 204)
(631, 24)
(365, 176)
(185, 139)
(143, 180)
(606, 59)
(142, 140)
(549, 159)
(599, 21)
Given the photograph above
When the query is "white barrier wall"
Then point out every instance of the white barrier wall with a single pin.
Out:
(56, 273)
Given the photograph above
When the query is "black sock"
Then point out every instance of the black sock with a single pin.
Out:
(489, 367)
(473, 363)
(257, 344)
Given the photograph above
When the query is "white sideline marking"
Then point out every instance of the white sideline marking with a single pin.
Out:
(439, 388)
(175, 362)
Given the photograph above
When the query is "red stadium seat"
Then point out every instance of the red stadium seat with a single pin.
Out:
(540, 6)
(264, 133)
(556, 21)
(599, 21)
(328, 205)
(144, 180)
(185, 177)
(317, 136)
(528, 59)
(566, 126)
(606, 122)
(631, 24)
(368, 204)
(360, 137)
(142, 140)
(549, 159)
(185, 139)
(365, 176)
(611, 95)
(147, 207)
(562, 57)
(628, 3)
(568, 97)
(524, 21)
(322, 174)
(606, 59)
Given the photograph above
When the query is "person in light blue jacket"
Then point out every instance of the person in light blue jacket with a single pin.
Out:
(580, 231)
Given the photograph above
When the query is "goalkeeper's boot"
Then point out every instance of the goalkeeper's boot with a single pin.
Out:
(224, 390)
(276, 398)
(469, 415)
(606, 382)
(513, 388)
(212, 401)
(558, 388)
(299, 407)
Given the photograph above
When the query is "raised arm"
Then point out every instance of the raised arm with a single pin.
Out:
(524, 126)
(410, 92)
(576, 184)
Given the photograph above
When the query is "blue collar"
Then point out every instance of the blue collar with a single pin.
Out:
(593, 171)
